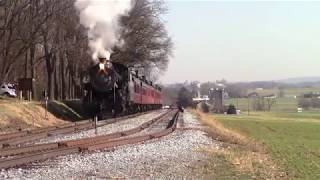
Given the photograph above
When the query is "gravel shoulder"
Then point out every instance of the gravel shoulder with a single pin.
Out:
(171, 157)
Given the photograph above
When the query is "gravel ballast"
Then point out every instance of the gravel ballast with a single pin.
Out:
(109, 128)
(170, 157)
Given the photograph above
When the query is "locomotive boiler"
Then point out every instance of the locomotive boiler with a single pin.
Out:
(112, 89)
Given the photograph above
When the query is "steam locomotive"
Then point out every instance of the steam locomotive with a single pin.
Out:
(112, 89)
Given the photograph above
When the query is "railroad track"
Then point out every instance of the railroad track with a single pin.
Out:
(23, 155)
(21, 137)
(9, 151)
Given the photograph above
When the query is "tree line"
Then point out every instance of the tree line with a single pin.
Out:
(44, 40)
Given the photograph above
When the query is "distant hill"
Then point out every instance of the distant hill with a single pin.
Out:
(299, 80)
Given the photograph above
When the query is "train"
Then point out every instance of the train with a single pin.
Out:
(113, 89)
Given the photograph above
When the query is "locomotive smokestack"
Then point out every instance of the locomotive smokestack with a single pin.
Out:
(102, 62)
(102, 59)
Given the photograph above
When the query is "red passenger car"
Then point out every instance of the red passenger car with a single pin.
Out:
(143, 94)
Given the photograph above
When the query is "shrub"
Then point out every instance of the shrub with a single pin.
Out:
(232, 109)
(205, 107)
(184, 97)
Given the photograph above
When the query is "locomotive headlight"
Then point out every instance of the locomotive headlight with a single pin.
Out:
(101, 66)
(109, 64)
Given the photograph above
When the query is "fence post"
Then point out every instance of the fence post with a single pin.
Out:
(95, 124)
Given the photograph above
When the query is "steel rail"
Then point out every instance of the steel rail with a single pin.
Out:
(107, 144)
(32, 148)
(20, 137)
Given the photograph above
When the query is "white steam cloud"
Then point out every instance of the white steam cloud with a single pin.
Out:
(101, 18)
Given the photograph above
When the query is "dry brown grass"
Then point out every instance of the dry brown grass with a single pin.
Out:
(256, 165)
(229, 137)
(24, 115)
(242, 153)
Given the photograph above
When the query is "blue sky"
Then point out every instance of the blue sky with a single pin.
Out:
(243, 41)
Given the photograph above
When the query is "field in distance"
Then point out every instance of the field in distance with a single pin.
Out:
(288, 103)
(288, 92)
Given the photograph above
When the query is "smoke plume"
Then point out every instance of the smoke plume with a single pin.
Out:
(101, 18)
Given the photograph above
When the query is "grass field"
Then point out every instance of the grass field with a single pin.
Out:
(288, 104)
(293, 139)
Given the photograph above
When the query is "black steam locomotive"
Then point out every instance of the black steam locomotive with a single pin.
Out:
(111, 89)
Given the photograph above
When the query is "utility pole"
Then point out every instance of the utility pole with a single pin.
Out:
(248, 106)
(237, 103)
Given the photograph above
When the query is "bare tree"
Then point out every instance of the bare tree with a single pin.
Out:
(146, 41)
(12, 46)
(65, 49)
(258, 104)
(44, 40)
(270, 102)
